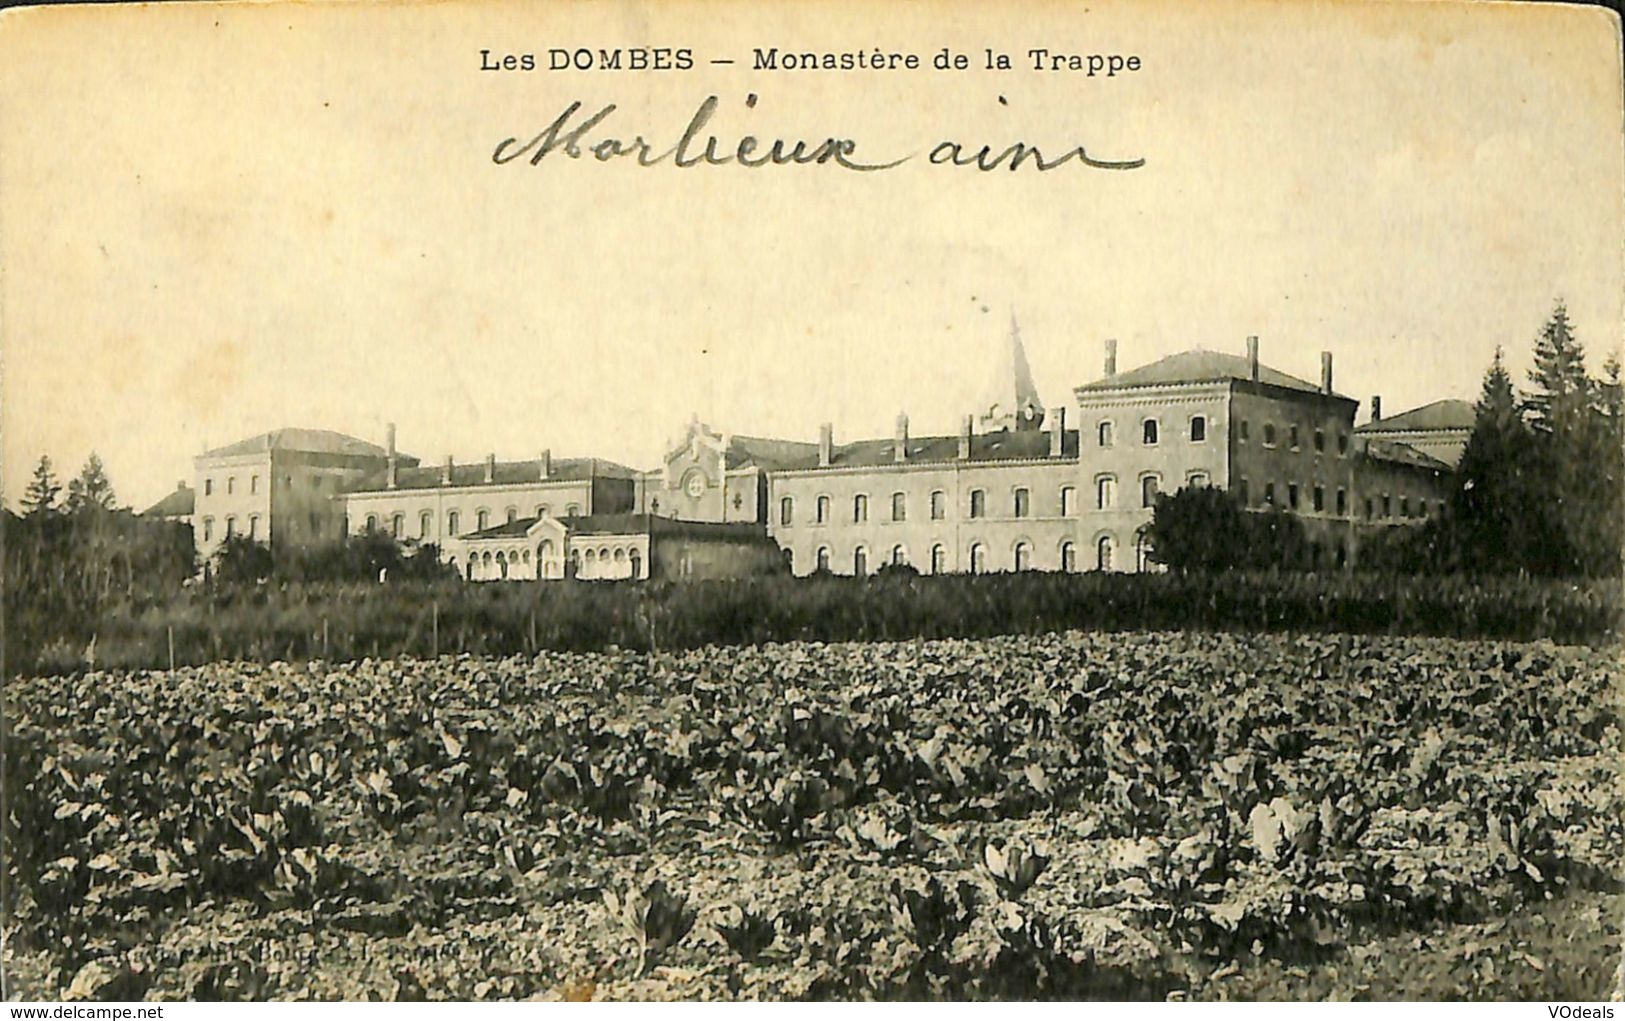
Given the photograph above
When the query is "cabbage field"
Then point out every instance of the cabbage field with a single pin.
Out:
(1140, 815)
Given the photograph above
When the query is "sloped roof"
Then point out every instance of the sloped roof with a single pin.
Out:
(508, 529)
(771, 454)
(1402, 453)
(180, 503)
(310, 441)
(1445, 414)
(505, 473)
(1200, 366)
(1011, 445)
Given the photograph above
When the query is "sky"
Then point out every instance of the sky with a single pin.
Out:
(220, 220)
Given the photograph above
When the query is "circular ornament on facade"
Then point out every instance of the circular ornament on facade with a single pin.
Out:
(694, 485)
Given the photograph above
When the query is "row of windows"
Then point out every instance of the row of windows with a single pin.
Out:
(1020, 506)
(1340, 504)
(1104, 556)
(1293, 439)
(1151, 431)
(599, 562)
(454, 520)
(1196, 432)
(1021, 557)
(231, 527)
(254, 484)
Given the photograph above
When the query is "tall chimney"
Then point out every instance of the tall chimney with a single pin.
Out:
(1326, 373)
(1057, 431)
(445, 473)
(900, 440)
(1376, 407)
(1252, 358)
(546, 463)
(389, 447)
(490, 467)
(965, 426)
(1111, 357)
(826, 445)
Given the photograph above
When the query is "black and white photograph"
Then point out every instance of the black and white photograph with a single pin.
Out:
(696, 500)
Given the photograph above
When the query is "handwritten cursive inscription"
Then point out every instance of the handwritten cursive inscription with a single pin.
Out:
(579, 137)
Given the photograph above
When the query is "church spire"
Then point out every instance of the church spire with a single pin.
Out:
(1011, 400)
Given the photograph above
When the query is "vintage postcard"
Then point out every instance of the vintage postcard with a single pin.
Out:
(699, 500)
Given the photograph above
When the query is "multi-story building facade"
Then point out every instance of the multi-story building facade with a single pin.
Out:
(280, 487)
(438, 504)
(1018, 488)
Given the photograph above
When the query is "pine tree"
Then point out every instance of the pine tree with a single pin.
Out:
(43, 489)
(1499, 520)
(91, 489)
(1561, 390)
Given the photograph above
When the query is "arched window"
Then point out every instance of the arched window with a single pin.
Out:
(1198, 428)
(978, 503)
(541, 510)
(482, 520)
(899, 507)
(589, 563)
(899, 556)
(1104, 548)
(231, 484)
(1105, 493)
(823, 559)
(397, 525)
(939, 505)
(1022, 501)
(1241, 492)
(1023, 556)
(1197, 480)
(636, 560)
(473, 566)
(1069, 557)
(1148, 432)
(572, 564)
(1069, 501)
(939, 559)
(1320, 441)
(787, 511)
(451, 523)
(544, 558)
(1269, 434)
(1142, 550)
(511, 515)
(978, 558)
(372, 524)
(573, 510)
(860, 561)
(425, 524)
(502, 565)
(1103, 434)
(208, 529)
(1148, 491)
(821, 513)
(524, 555)
(860, 508)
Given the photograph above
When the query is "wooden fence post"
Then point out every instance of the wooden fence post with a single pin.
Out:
(324, 639)
(434, 627)
(171, 630)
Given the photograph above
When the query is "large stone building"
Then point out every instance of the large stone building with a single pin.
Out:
(285, 486)
(1018, 487)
